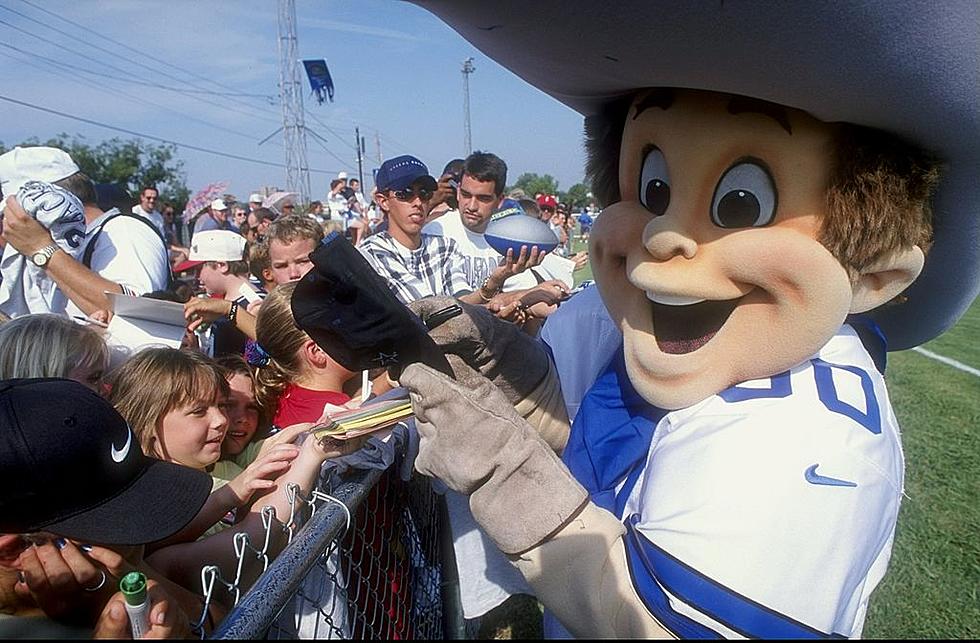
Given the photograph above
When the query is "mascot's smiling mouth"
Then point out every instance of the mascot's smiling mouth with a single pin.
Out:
(683, 326)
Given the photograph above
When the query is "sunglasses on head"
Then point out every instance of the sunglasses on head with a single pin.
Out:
(409, 195)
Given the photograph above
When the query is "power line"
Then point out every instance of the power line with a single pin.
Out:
(188, 93)
(321, 143)
(255, 111)
(151, 137)
(102, 36)
(332, 131)
(58, 64)
(157, 106)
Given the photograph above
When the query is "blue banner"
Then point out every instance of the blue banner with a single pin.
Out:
(320, 81)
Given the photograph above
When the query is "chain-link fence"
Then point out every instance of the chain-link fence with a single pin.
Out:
(372, 560)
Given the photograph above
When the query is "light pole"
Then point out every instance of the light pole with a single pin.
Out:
(468, 69)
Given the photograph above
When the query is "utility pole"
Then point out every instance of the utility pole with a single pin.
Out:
(291, 98)
(359, 143)
(468, 69)
(377, 145)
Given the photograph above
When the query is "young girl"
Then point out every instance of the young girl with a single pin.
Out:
(296, 384)
(245, 418)
(246, 421)
(300, 378)
(174, 401)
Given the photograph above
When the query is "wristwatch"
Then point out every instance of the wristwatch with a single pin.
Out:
(43, 256)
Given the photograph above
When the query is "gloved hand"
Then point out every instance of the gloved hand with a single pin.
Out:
(477, 341)
(473, 440)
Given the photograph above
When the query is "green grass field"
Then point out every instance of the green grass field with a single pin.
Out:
(932, 588)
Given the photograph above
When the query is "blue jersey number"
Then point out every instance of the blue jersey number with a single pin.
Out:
(779, 386)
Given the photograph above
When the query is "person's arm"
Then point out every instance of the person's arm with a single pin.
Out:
(86, 289)
(257, 477)
(509, 267)
(204, 310)
(182, 563)
(83, 287)
(528, 504)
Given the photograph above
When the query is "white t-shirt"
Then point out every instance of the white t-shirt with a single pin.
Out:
(337, 206)
(129, 253)
(480, 260)
(155, 217)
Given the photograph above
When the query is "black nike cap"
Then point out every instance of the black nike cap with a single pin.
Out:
(70, 465)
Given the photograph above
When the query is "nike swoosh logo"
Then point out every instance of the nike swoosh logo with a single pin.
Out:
(118, 455)
(813, 477)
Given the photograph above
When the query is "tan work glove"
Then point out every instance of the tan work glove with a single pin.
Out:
(473, 440)
(516, 363)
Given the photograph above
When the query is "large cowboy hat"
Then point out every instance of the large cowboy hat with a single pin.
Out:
(910, 67)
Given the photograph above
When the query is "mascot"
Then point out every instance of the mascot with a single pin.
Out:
(789, 190)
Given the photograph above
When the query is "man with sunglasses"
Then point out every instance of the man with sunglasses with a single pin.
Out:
(414, 263)
(147, 207)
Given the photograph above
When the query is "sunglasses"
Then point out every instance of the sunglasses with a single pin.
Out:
(409, 195)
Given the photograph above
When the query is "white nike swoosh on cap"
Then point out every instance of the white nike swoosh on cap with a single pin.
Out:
(120, 454)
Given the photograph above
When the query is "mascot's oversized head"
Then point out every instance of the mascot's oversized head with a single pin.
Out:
(766, 169)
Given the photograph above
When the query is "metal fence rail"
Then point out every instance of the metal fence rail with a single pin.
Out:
(369, 563)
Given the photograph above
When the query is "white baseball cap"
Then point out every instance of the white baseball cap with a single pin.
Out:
(218, 204)
(342, 175)
(23, 164)
(255, 198)
(213, 245)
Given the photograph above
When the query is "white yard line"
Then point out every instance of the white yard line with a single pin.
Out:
(945, 360)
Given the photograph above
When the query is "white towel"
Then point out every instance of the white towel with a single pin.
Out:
(25, 288)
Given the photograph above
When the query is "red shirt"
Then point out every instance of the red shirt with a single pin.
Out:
(299, 404)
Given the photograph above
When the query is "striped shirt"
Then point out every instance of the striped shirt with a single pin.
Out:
(435, 268)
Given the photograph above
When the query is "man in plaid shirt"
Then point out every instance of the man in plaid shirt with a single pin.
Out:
(418, 265)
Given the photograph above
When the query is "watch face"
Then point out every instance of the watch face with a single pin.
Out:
(39, 259)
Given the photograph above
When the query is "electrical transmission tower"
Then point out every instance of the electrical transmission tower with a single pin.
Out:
(291, 98)
(468, 69)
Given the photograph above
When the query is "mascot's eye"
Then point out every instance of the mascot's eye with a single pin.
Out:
(654, 188)
(745, 197)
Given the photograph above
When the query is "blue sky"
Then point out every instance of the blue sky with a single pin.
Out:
(395, 67)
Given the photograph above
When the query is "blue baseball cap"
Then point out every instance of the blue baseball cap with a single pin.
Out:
(401, 172)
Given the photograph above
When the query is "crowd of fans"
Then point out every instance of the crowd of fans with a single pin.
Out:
(187, 444)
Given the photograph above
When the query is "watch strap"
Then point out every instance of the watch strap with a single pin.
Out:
(48, 252)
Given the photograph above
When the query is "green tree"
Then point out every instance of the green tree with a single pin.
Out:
(133, 163)
(577, 195)
(533, 183)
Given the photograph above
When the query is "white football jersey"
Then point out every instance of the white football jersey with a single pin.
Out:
(768, 510)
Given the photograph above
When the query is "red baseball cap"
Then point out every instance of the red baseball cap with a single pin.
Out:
(184, 266)
(547, 201)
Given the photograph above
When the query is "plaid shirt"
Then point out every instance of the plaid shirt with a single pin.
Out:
(436, 268)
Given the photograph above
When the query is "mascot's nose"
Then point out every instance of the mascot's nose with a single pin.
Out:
(665, 239)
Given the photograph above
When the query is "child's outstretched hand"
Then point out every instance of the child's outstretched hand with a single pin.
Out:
(262, 473)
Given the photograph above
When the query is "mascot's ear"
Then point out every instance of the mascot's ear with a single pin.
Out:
(886, 278)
